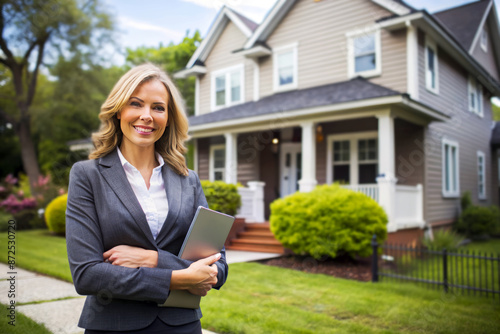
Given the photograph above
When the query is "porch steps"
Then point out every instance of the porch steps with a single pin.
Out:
(256, 237)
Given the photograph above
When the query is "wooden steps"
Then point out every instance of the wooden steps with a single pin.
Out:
(256, 237)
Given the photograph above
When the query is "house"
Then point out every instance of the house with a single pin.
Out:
(392, 101)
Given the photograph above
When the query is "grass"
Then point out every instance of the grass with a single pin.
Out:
(23, 324)
(264, 299)
(40, 251)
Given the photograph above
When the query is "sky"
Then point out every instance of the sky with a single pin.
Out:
(151, 22)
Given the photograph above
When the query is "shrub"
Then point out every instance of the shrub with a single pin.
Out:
(479, 221)
(466, 200)
(4, 220)
(222, 197)
(55, 215)
(328, 221)
(443, 239)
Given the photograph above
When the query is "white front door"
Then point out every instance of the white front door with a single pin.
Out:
(290, 168)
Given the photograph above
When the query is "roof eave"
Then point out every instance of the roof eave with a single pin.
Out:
(193, 71)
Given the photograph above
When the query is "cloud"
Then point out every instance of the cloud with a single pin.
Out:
(133, 24)
(254, 9)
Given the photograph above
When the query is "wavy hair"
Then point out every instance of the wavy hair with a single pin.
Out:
(171, 144)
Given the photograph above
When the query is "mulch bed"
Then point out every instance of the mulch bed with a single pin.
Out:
(342, 267)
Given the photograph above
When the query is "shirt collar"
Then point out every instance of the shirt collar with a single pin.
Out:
(125, 162)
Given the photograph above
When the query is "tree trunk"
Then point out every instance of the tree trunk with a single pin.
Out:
(28, 153)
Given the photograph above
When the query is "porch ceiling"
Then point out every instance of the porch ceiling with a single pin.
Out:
(349, 99)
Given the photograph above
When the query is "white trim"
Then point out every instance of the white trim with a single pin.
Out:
(195, 70)
(195, 155)
(197, 96)
(473, 86)
(430, 44)
(236, 20)
(412, 61)
(319, 114)
(452, 193)
(393, 6)
(484, 40)
(477, 35)
(211, 167)
(256, 80)
(351, 53)
(481, 169)
(353, 137)
(276, 52)
(256, 52)
(227, 73)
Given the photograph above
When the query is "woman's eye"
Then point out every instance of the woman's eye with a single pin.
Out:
(159, 108)
(135, 104)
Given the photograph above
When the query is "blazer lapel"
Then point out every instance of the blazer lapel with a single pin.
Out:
(115, 176)
(173, 188)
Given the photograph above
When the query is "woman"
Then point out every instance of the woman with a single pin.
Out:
(129, 209)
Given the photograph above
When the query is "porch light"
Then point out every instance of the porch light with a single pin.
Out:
(319, 134)
(276, 141)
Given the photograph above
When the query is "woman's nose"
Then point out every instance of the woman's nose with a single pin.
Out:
(146, 115)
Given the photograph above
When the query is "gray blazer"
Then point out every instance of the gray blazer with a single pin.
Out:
(103, 212)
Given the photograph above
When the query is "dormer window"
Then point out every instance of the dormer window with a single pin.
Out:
(364, 54)
(484, 40)
(475, 97)
(285, 67)
(227, 87)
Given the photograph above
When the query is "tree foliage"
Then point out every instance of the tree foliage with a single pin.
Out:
(172, 58)
(32, 34)
(496, 112)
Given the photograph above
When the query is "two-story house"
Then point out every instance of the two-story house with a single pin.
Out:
(374, 94)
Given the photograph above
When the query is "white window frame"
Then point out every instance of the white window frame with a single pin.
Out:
(211, 168)
(277, 51)
(354, 161)
(447, 170)
(474, 87)
(483, 39)
(430, 44)
(481, 175)
(227, 73)
(351, 54)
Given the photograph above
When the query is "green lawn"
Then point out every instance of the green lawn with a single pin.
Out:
(263, 299)
(40, 251)
(23, 324)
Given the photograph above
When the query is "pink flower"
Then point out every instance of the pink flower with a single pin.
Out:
(10, 179)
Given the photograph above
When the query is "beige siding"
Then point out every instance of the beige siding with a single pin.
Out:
(222, 57)
(320, 30)
(487, 59)
(470, 131)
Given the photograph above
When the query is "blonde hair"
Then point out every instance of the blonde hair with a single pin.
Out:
(171, 144)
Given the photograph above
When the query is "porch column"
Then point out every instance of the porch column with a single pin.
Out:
(308, 163)
(231, 158)
(387, 166)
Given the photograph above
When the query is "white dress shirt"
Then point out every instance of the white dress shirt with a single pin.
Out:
(153, 201)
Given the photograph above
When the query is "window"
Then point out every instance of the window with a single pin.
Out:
(475, 97)
(481, 174)
(364, 54)
(431, 67)
(451, 185)
(484, 40)
(217, 162)
(352, 159)
(285, 67)
(227, 87)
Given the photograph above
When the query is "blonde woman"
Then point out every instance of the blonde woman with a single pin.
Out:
(129, 209)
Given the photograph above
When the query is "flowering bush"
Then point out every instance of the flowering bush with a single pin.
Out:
(13, 205)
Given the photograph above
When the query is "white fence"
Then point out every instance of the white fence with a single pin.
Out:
(370, 190)
(252, 202)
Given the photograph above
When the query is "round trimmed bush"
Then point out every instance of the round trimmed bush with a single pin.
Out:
(479, 221)
(328, 221)
(55, 215)
(222, 196)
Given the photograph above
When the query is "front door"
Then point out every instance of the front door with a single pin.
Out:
(290, 168)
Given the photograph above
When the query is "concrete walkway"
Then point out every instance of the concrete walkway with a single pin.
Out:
(56, 304)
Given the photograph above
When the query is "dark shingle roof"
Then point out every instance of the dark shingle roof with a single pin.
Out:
(249, 23)
(495, 136)
(463, 21)
(347, 91)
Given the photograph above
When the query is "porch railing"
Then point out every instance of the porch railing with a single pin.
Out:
(252, 202)
(370, 190)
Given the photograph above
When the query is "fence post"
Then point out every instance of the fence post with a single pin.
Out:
(374, 259)
(445, 270)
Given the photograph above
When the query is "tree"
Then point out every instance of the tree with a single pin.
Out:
(32, 32)
(496, 111)
(172, 58)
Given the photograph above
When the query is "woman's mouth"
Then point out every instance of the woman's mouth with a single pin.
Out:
(141, 129)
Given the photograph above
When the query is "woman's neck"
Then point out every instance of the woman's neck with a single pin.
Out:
(142, 158)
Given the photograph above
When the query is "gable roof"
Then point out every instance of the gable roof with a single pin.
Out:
(356, 89)
(465, 21)
(225, 15)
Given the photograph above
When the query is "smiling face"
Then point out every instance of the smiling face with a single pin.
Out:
(144, 117)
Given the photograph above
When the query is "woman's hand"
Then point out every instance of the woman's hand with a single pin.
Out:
(198, 278)
(131, 257)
